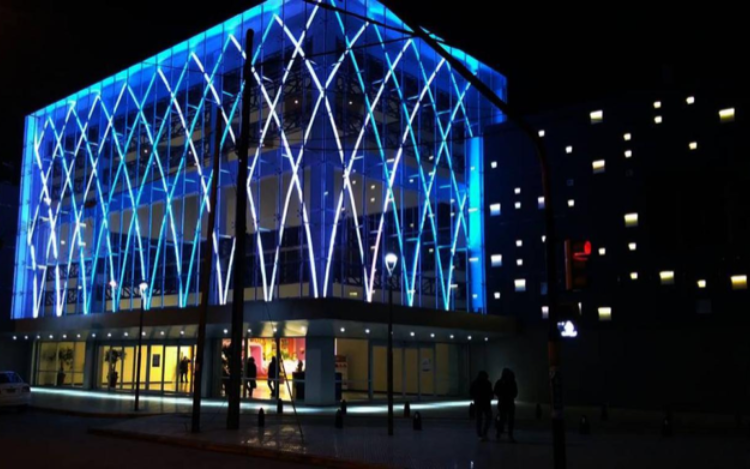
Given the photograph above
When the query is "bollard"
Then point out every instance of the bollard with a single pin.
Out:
(339, 419)
(407, 410)
(605, 413)
(261, 418)
(279, 407)
(472, 411)
(539, 412)
(417, 421)
(666, 427)
(585, 426)
(343, 406)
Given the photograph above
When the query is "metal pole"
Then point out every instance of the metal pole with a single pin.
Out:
(138, 361)
(390, 356)
(240, 228)
(195, 426)
(553, 340)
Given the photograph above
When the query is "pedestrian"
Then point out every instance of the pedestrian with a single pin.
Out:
(273, 373)
(506, 391)
(481, 393)
(184, 366)
(252, 374)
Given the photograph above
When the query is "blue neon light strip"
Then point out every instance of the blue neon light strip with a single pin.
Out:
(83, 148)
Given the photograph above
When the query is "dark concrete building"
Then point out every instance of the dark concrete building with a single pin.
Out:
(659, 185)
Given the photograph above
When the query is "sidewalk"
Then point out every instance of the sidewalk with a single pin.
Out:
(103, 404)
(443, 443)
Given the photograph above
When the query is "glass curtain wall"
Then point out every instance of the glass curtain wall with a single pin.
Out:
(363, 141)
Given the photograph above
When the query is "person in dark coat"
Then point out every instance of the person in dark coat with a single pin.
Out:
(481, 393)
(273, 375)
(184, 368)
(506, 391)
(251, 375)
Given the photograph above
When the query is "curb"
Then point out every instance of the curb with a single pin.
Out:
(237, 450)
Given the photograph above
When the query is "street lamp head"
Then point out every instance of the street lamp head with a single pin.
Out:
(113, 283)
(391, 260)
(144, 287)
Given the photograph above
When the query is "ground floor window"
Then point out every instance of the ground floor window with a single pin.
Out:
(60, 364)
(164, 368)
(265, 383)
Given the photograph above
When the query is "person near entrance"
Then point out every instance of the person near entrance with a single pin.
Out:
(481, 393)
(273, 375)
(506, 391)
(184, 369)
(252, 374)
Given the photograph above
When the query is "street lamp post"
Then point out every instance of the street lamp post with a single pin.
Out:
(390, 262)
(144, 287)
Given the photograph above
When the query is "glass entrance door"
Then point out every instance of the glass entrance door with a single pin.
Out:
(178, 368)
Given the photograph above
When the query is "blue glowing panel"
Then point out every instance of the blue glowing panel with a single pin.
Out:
(362, 143)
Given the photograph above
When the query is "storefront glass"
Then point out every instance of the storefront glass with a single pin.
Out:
(262, 351)
(164, 368)
(61, 364)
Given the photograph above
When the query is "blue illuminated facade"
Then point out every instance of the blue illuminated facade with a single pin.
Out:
(364, 141)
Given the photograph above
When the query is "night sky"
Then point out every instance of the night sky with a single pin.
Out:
(566, 55)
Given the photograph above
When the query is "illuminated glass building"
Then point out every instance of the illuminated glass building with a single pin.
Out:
(364, 141)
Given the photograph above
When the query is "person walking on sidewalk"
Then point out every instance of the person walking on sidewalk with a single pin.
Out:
(506, 391)
(273, 375)
(252, 374)
(481, 393)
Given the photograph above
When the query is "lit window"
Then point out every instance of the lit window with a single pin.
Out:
(634, 276)
(693, 146)
(602, 252)
(495, 210)
(518, 205)
(631, 220)
(520, 285)
(628, 153)
(568, 150)
(545, 312)
(658, 119)
(727, 115)
(605, 314)
(702, 284)
(519, 262)
(597, 117)
(518, 191)
(667, 277)
(497, 260)
(353, 294)
(739, 282)
(633, 247)
(497, 295)
(542, 133)
(657, 105)
(519, 243)
(540, 202)
(599, 166)
(627, 137)
(571, 203)
(494, 165)
(690, 100)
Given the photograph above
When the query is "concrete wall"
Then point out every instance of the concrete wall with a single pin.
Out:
(16, 356)
(688, 368)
